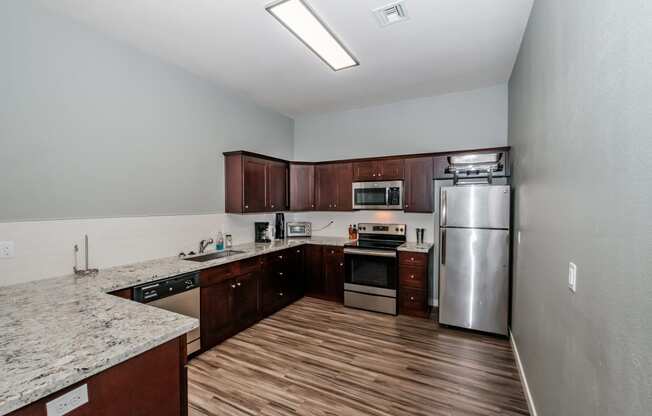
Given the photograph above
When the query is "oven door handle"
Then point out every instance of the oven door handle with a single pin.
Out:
(374, 253)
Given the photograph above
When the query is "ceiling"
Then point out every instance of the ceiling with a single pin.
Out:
(445, 46)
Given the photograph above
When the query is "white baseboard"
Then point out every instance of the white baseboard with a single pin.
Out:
(521, 373)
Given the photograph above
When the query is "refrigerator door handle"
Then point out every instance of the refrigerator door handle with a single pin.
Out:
(444, 202)
(443, 247)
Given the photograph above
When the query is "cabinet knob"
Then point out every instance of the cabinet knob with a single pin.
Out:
(239, 284)
(280, 273)
(298, 251)
(373, 174)
(232, 286)
(335, 205)
(280, 257)
(312, 205)
(407, 206)
(411, 276)
(280, 294)
(246, 206)
(272, 205)
(341, 264)
(411, 258)
(412, 298)
(330, 206)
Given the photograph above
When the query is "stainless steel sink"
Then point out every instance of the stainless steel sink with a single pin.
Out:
(214, 256)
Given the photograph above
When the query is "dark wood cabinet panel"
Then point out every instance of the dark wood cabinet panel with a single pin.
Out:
(152, 383)
(414, 270)
(246, 300)
(367, 170)
(325, 187)
(297, 272)
(413, 277)
(391, 169)
(302, 187)
(254, 185)
(314, 279)
(333, 270)
(413, 302)
(277, 179)
(217, 318)
(344, 174)
(418, 185)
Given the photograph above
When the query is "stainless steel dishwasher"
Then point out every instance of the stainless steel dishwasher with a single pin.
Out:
(179, 294)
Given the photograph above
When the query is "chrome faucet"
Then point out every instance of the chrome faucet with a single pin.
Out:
(203, 244)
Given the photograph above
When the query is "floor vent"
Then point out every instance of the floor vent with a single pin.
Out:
(391, 13)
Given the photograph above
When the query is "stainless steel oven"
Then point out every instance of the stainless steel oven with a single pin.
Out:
(371, 268)
(378, 195)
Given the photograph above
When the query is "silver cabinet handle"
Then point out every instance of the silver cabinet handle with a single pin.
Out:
(443, 247)
(444, 203)
(246, 206)
(232, 286)
(412, 298)
(239, 284)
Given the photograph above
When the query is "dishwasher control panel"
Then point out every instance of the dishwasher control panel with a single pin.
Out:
(166, 287)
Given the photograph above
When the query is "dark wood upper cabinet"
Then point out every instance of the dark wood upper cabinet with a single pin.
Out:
(302, 187)
(277, 186)
(391, 169)
(418, 185)
(255, 184)
(344, 173)
(325, 187)
(378, 170)
(333, 187)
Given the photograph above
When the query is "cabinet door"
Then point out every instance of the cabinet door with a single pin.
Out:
(366, 171)
(302, 187)
(297, 272)
(392, 169)
(325, 187)
(314, 279)
(344, 173)
(419, 185)
(277, 178)
(246, 305)
(254, 184)
(334, 273)
(216, 313)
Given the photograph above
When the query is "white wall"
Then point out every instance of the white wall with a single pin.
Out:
(45, 248)
(465, 120)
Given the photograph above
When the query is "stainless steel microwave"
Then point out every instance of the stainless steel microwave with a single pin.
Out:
(378, 195)
(299, 229)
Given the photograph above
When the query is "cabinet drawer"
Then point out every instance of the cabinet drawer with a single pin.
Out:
(333, 251)
(413, 277)
(413, 302)
(279, 257)
(412, 259)
(217, 274)
(250, 265)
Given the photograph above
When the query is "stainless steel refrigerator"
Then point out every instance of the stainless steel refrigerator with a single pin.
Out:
(474, 257)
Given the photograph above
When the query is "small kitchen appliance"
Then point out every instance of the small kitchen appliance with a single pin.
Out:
(298, 229)
(378, 195)
(262, 231)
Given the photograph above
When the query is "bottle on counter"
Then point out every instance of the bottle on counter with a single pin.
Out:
(355, 232)
(228, 241)
(219, 242)
(350, 232)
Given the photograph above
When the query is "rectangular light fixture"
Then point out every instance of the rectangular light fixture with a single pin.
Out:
(302, 21)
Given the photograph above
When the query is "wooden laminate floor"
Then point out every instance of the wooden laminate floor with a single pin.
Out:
(320, 358)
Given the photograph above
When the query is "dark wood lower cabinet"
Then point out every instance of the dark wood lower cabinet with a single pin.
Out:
(152, 383)
(413, 274)
(237, 295)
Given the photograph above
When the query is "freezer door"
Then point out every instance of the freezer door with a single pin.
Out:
(474, 279)
(475, 206)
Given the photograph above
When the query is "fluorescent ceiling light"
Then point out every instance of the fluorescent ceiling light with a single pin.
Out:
(299, 19)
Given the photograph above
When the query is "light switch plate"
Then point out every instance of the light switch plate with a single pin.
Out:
(572, 277)
(7, 249)
(70, 401)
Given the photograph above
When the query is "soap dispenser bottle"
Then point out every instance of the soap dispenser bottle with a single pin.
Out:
(219, 242)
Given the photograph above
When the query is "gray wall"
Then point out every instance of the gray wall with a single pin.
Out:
(463, 120)
(580, 117)
(90, 127)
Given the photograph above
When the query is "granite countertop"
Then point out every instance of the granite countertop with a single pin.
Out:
(59, 331)
(414, 247)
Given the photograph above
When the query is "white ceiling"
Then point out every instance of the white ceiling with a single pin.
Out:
(445, 46)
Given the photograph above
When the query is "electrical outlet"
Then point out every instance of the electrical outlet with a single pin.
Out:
(7, 249)
(68, 402)
(572, 277)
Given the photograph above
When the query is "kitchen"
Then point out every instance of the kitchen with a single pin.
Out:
(177, 232)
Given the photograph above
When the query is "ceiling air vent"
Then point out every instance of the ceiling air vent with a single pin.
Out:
(391, 13)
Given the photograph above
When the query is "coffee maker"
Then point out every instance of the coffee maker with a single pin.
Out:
(262, 232)
(279, 229)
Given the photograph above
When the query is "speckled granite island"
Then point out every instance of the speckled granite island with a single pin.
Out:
(61, 331)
